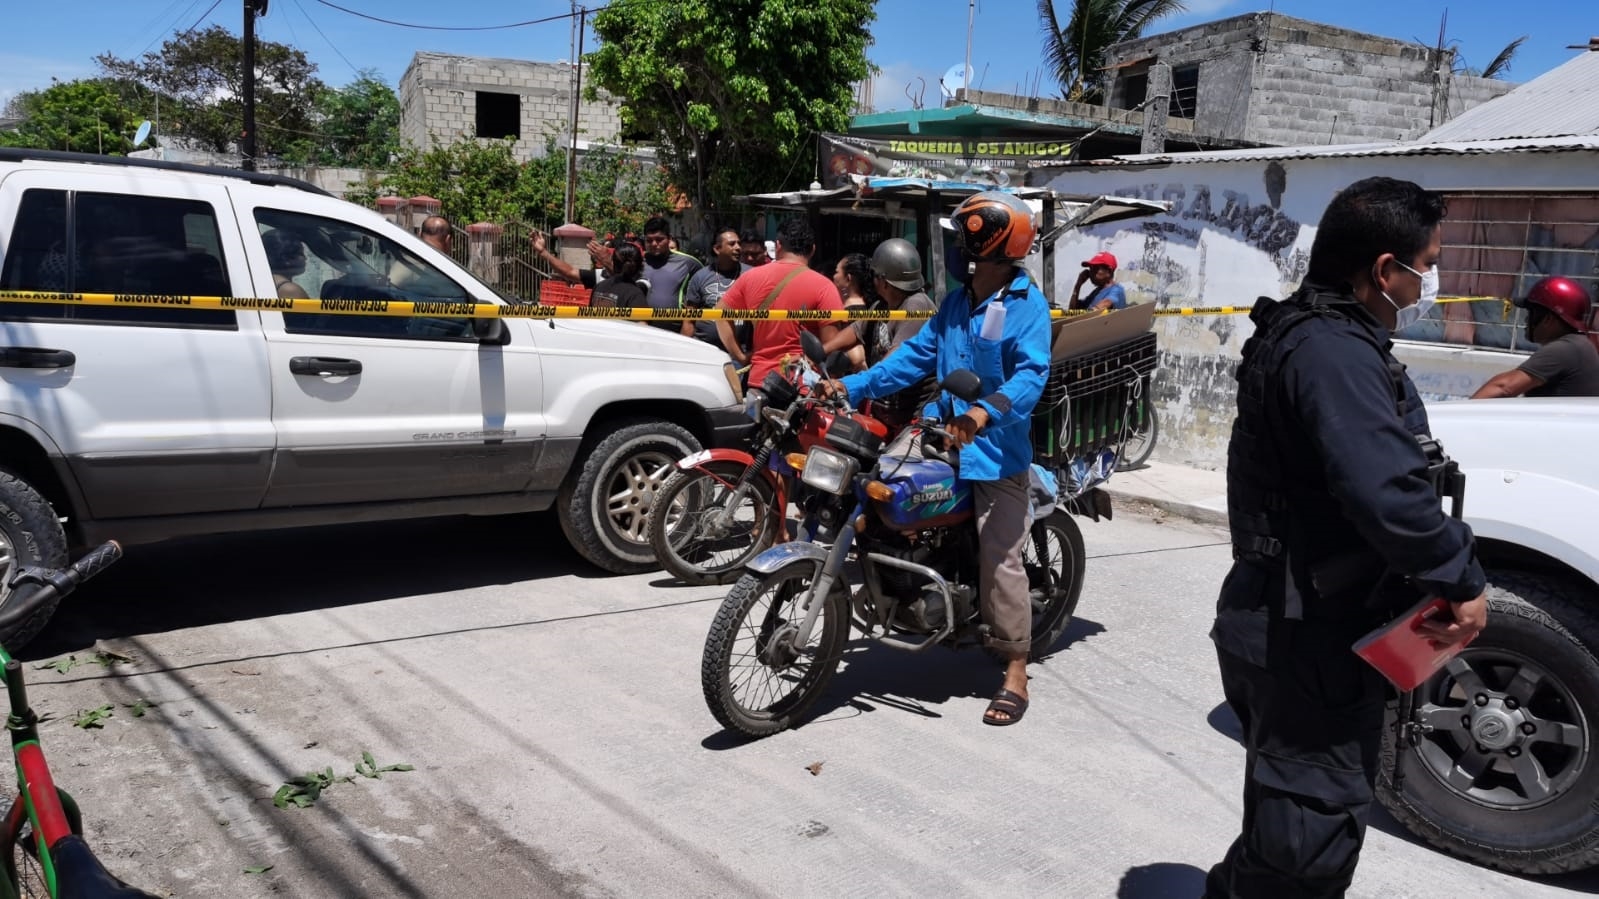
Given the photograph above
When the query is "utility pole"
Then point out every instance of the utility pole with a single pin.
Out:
(581, 21)
(252, 8)
(966, 73)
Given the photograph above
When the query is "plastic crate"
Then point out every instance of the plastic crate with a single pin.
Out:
(1091, 401)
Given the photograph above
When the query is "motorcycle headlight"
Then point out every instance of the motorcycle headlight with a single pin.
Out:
(828, 471)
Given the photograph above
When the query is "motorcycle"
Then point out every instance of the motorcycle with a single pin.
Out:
(724, 507)
(909, 523)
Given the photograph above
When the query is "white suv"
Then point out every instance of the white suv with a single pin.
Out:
(140, 424)
(1506, 763)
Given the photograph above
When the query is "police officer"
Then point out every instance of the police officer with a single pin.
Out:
(1335, 529)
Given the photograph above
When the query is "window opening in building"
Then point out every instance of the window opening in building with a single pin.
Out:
(1184, 92)
(499, 115)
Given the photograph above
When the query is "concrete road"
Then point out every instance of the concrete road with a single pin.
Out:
(562, 747)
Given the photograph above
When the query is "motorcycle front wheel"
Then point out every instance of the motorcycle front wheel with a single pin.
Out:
(694, 534)
(757, 679)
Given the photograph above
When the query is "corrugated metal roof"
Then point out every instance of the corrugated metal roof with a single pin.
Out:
(1408, 148)
(1562, 101)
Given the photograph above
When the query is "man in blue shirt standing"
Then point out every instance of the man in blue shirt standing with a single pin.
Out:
(1107, 295)
(996, 325)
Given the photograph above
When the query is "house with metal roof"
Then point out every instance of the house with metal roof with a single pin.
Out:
(1521, 176)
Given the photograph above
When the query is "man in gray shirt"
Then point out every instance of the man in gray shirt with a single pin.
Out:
(1566, 363)
(667, 270)
(707, 285)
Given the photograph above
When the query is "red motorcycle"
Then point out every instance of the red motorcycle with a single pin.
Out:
(724, 507)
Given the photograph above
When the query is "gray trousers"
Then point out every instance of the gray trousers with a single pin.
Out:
(1003, 525)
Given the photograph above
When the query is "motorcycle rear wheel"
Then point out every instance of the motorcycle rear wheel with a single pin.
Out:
(1055, 561)
(756, 682)
(687, 506)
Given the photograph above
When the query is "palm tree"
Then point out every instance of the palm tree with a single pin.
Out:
(1076, 52)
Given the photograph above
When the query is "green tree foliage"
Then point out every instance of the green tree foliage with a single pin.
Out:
(200, 72)
(357, 125)
(477, 181)
(733, 91)
(83, 116)
(1075, 51)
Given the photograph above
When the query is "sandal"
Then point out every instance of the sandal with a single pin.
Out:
(1011, 704)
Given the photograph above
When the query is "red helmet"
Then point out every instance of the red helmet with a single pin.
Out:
(994, 227)
(1565, 298)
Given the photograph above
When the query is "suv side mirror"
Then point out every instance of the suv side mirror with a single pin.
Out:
(491, 331)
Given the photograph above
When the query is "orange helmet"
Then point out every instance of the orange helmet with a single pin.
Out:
(994, 227)
(1563, 297)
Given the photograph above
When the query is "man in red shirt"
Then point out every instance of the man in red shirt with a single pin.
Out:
(787, 283)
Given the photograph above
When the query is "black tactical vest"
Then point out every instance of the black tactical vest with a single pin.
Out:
(1268, 474)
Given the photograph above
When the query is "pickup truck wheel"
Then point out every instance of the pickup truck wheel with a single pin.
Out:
(30, 534)
(605, 503)
(1504, 772)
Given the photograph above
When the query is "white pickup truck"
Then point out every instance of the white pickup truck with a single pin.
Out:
(139, 424)
(1505, 769)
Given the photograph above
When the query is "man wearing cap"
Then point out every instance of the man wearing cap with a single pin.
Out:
(1107, 294)
(1566, 363)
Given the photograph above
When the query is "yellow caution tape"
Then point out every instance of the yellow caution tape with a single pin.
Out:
(447, 309)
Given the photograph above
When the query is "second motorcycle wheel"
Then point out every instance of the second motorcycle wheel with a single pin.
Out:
(700, 535)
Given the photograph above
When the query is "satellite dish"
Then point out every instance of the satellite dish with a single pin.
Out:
(955, 78)
(140, 135)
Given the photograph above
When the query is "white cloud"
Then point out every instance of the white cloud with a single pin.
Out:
(890, 86)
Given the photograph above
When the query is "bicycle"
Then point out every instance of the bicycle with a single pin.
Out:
(42, 850)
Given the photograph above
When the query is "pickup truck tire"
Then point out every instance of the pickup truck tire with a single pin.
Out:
(604, 504)
(30, 534)
(1509, 775)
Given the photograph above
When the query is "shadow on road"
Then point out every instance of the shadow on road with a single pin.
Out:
(875, 677)
(210, 580)
(1160, 881)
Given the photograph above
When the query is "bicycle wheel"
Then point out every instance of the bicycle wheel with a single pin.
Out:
(1140, 441)
(19, 857)
(697, 537)
(756, 680)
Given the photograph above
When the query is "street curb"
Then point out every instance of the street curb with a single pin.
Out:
(1191, 511)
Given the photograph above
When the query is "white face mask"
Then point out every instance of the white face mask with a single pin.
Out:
(1405, 316)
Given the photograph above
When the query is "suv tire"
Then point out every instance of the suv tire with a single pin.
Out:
(1466, 786)
(30, 534)
(604, 505)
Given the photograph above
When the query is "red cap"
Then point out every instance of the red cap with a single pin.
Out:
(1105, 259)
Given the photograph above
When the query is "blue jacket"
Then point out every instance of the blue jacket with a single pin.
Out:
(1013, 370)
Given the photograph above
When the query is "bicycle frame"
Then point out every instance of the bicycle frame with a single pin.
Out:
(51, 812)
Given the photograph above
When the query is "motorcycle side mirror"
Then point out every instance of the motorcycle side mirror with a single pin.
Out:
(964, 384)
(811, 345)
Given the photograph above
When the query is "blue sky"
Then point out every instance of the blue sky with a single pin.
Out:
(914, 38)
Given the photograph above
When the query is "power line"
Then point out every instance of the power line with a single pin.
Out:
(325, 38)
(202, 18)
(182, 14)
(545, 20)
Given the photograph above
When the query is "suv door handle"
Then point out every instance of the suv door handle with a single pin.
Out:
(324, 366)
(35, 357)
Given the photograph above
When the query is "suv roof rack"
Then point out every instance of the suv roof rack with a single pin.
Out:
(17, 154)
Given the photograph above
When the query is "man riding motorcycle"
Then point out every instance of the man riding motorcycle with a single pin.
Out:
(996, 325)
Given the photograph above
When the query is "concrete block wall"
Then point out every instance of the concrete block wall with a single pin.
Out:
(1271, 79)
(438, 100)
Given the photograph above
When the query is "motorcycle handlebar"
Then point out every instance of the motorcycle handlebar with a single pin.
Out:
(33, 588)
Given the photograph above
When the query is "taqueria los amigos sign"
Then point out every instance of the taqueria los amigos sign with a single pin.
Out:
(1000, 161)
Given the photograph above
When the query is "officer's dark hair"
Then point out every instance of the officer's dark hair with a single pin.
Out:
(796, 236)
(657, 225)
(1371, 217)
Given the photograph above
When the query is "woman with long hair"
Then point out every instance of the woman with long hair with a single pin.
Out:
(857, 285)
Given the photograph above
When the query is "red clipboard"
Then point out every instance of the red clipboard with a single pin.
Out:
(1403, 654)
